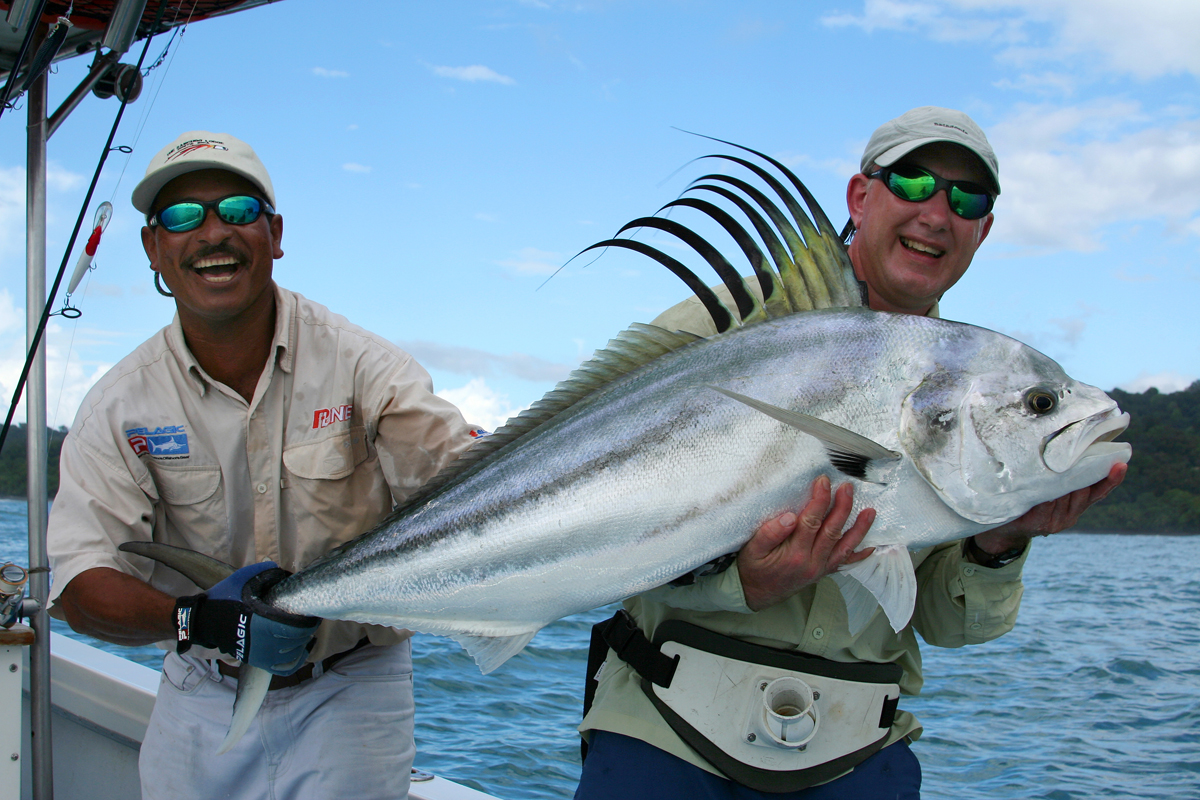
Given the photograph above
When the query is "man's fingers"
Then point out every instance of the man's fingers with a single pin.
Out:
(770, 535)
(852, 538)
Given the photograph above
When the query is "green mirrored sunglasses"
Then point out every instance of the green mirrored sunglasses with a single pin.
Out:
(237, 209)
(917, 184)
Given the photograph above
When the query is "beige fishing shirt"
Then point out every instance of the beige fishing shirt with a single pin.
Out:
(342, 425)
(958, 603)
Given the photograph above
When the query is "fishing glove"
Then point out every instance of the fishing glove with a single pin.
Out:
(232, 617)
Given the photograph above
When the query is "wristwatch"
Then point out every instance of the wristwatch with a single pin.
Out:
(990, 560)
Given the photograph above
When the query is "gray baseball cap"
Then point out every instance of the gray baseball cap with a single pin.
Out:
(925, 125)
(196, 150)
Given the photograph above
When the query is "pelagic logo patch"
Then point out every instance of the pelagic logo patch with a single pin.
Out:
(323, 417)
(167, 441)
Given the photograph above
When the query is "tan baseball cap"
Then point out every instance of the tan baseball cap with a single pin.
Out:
(925, 125)
(201, 150)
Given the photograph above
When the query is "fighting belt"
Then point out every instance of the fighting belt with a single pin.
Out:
(772, 720)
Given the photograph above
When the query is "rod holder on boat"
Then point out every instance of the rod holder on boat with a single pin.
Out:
(123, 25)
(20, 12)
(788, 716)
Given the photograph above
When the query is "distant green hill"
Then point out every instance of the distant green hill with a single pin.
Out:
(12, 461)
(1161, 493)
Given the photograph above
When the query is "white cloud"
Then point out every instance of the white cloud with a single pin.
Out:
(470, 361)
(1145, 40)
(1067, 172)
(472, 74)
(350, 166)
(1165, 382)
(531, 261)
(329, 73)
(480, 404)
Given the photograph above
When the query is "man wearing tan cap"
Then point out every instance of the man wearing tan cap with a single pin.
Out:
(263, 430)
(920, 207)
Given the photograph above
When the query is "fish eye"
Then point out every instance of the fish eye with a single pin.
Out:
(1040, 401)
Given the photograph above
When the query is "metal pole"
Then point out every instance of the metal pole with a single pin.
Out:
(42, 765)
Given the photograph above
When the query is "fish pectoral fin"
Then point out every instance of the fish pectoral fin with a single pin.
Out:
(851, 453)
(490, 652)
(252, 687)
(204, 571)
(861, 605)
(888, 577)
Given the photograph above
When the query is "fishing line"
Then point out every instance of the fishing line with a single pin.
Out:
(45, 315)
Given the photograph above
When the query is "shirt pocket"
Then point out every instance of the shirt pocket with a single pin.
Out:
(193, 499)
(333, 490)
(329, 459)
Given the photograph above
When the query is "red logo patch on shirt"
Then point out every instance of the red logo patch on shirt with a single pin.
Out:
(327, 416)
(139, 444)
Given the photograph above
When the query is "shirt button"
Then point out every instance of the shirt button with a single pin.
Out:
(976, 626)
(262, 488)
(968, 571)
(817, 633)
(253, 415)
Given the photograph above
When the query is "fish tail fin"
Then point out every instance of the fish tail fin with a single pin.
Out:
(888, 578)
(204, 571)
(490, 652)
(253, 684)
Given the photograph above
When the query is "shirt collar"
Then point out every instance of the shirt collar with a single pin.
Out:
(283, 345)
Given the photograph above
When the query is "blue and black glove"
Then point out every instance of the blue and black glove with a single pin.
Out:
(232, 617)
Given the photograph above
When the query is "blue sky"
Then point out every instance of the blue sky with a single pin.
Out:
(436, 162)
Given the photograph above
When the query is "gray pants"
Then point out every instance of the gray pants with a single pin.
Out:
(346, 733)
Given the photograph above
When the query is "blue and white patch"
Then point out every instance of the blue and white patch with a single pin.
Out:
(169, 441)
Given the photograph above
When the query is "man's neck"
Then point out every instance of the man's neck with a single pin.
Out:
(233, 351)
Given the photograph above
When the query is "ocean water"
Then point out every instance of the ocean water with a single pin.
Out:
(1095, 694)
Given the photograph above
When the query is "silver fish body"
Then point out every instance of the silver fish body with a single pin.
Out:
(664, 469)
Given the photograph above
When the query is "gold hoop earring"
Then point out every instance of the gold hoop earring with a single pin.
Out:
(159, 287)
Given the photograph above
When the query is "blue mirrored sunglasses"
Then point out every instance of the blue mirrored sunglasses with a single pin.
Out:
(917, 184)
(237, 209)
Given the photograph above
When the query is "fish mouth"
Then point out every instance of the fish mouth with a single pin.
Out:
(1086, 440)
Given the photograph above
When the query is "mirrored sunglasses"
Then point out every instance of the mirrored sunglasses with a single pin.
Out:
(917, 184)
(237, 209)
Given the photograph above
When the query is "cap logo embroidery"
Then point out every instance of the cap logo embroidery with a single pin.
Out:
(955, 127)
(189, 147)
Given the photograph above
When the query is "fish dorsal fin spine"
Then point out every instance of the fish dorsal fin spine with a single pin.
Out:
(631, 349)
(809, 266)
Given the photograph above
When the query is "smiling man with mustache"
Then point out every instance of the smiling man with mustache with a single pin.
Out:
(263, 430)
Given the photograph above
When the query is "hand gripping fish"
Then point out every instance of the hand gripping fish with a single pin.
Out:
(668, 450)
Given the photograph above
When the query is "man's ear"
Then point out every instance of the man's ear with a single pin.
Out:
(150, 245)
(277, 236)
(985, 228)
(856, 197)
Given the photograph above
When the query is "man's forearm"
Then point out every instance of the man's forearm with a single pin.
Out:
(114, 607)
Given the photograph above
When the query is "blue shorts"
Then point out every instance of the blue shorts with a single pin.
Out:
(619, 766)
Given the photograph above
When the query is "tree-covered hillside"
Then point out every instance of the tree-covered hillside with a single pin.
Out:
(1161, 494)
(12, 461)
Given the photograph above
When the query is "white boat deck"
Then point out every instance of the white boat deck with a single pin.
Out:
(101, 707)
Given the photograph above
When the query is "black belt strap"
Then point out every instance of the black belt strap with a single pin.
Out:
(622, 634)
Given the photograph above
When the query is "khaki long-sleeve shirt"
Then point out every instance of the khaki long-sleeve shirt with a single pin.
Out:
(341, 425)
